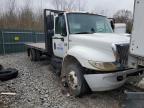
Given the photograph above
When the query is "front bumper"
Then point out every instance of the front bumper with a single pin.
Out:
(109, 81)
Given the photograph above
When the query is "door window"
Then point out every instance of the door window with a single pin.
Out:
(60, 25)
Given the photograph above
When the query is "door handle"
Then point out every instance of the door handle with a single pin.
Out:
(70, 40)
(62, 39)
(54, 45)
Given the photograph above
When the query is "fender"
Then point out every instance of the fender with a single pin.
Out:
(83, 54)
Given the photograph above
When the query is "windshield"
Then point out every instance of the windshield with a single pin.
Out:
(80, 23)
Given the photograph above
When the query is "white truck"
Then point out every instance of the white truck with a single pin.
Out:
(120, 28)
(84, 51)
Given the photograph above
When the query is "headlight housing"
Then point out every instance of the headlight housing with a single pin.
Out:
(103, 66)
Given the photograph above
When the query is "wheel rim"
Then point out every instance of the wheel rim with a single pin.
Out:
(73, 80)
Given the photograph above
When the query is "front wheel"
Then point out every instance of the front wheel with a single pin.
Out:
(74, 78)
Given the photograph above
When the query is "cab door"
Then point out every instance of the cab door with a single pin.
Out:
(60, 38)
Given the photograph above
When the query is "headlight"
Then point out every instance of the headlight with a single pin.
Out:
(103, 66)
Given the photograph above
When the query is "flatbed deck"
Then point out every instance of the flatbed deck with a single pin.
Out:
(38, 46)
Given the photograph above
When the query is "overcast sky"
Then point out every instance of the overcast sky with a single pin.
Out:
(108, 7)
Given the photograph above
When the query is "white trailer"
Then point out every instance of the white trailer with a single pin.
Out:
(136, 58)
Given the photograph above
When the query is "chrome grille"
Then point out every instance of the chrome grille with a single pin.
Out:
(122, 51)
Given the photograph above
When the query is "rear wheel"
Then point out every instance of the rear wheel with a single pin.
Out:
(74, 78)
(1, 67)
(38, 55)
(31, 56)
(34, 55)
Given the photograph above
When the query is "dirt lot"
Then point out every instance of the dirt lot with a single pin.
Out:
(37, 87)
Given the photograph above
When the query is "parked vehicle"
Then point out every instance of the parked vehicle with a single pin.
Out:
(84, 51)
(120, 28)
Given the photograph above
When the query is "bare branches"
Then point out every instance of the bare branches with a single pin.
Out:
(68, 4)
(81, 5)
(57, 4)
(9, 18)
(27, 18)
(124, 16)
(11, 7)
(20, 18)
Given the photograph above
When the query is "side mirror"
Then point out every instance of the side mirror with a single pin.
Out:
(112, 25)
(50, 22)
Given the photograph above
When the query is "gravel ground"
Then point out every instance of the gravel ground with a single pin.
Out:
(37, 87)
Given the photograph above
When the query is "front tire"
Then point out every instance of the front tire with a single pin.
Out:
(74, 78)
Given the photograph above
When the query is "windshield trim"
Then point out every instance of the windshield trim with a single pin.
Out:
(81, 13)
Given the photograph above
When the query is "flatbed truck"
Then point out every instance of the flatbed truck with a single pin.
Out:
(84, 51)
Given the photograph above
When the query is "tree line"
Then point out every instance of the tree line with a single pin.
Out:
(26, 18)
(21, 18)
(124, 16)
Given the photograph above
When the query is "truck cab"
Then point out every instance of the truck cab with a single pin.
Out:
(85, 52)
(89, 37)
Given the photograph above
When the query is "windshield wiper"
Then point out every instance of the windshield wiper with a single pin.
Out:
(84, 33)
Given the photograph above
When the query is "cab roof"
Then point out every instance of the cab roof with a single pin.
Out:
(83, 12)
(67, 12)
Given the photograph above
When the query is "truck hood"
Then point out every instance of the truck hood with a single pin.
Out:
(97, 46)
(103, 37)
